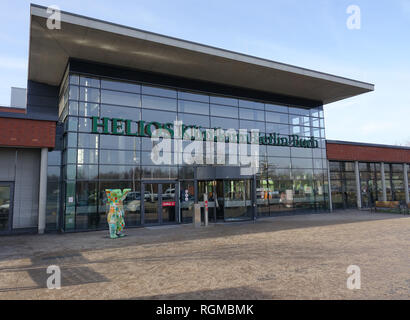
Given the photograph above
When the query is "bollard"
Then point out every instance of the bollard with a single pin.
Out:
(205, 210)
(197, 215)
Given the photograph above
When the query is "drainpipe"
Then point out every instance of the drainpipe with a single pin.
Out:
(383, 182)
(358, 188)
(329, 187)
(406, 182)
(42, 194)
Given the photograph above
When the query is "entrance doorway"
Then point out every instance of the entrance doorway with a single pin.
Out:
(228, 200)
(6, 206)
(160, 205)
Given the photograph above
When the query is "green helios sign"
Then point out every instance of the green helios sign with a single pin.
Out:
(141, 128)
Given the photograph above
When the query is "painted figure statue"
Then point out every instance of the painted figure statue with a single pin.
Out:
(115, 217)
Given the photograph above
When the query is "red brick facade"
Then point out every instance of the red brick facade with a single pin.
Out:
(27, 133)
(348, 152)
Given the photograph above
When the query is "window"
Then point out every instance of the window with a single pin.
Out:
(120, 98)
(120, 86)
(224, 111)
(249, 114)
(277, 117)
(151, 102)
(89, 94)
(193, 107)
(162, 92)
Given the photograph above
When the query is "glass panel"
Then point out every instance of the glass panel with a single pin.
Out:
(73, 108)
(119, 157)
(162, 92)
(168, 205)
(87, 140)
(249, 125)
(249, 114)
(87, 216)
(120, 86)
(193, 107)
(74, 79)
(87, 172)
(224, 123)
(210, 189)
(119, 142)
(153, 115)
(151, 102)
(237, 200)
(277, 108)
(5, 203)
(300, 111)
(89, 82)
(85, 156)
(132, 207)
(193, 96)
(159, 172)
(151, 203)
(110, 111)
(277, 128)
(87, 109)
(53, 204)
(280, 193)
(223, 100)
(251, 104)
(84, 125)
(187, 199)
(73, 93)
(54, 158)
(276, 117)
(190, 119)
(262, 196)
(118, 172)
(120, 98)
(224, 111)
(89, 94)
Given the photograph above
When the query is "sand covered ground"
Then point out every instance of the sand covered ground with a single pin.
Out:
(293, 257)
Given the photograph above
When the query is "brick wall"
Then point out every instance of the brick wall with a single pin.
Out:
(347, 152)
(27, 133)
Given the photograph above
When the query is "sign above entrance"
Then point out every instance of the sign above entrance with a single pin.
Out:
(141, 128)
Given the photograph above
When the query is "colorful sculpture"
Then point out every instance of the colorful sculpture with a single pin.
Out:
(115, 217)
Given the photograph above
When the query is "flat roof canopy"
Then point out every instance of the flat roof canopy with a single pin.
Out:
(103, 42)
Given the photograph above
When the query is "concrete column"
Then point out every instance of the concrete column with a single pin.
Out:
(42, 194)
(406, 182)
(383, 182)
(358, 187)
(329, 187)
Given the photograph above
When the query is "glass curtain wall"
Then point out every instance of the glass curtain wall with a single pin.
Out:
(289, 179)
(370, 183)
(394, 176)
(343, 184)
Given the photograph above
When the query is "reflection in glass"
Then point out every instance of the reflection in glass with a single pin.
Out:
(5, 207)
(151, 203)
(237, 200)
(120, 98)
(187, 200)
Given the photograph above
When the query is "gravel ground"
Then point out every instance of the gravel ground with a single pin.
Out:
(293, 257)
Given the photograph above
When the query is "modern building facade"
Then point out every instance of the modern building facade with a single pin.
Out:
(111, 107)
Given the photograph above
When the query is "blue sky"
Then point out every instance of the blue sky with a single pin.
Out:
(311, 34)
